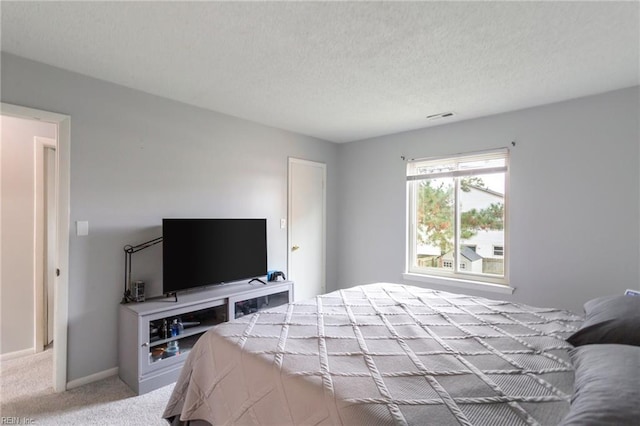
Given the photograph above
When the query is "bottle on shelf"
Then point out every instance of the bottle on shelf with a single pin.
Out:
(174, 327)
(172, 348)
(164, 331)
(177, 327)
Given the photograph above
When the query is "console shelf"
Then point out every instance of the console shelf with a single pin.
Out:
(147, 360)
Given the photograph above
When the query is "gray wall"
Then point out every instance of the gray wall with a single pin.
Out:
(574, 198)
(17, 236)
(136, 158)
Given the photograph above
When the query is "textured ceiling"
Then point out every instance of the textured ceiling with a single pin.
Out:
(340, 71)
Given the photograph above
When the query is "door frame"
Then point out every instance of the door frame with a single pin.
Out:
(63, 162)
(323, 166)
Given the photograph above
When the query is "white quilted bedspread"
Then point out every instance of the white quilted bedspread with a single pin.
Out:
(382, 354)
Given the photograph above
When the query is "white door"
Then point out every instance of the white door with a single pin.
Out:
(45, 239)
(50, 241)
(307, 223)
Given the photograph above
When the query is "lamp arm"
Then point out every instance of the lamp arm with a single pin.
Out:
(134, 249)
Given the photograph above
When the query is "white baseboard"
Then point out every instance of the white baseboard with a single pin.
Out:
(92, 378)
(17, 354)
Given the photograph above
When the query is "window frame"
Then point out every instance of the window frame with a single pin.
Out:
(457, 276)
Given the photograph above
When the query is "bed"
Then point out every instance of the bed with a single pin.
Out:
(382, 354)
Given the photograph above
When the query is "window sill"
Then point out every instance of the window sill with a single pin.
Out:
(457, 282)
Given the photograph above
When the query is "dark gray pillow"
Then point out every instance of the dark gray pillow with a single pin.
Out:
(612, 319)
(607, 385)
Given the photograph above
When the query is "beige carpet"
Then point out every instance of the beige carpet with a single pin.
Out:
(26, 393)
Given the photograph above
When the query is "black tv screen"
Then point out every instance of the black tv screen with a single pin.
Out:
(202, 252)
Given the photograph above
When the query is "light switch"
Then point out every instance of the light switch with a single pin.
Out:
(283, 223)
(82, 228)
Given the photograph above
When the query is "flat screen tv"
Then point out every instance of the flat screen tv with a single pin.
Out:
(202, 252)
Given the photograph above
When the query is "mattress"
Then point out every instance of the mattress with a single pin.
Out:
(381, 354)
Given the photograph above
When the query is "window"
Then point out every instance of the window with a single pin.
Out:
(457, 216)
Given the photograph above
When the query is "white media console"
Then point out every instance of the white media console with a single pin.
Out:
(149, 359)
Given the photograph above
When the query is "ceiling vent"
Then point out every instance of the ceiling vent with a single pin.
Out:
(439, 116)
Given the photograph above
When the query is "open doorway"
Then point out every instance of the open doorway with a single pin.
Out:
(44, 233)
(24, 221)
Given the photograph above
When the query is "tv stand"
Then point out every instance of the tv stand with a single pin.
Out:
(148, 359)
(257, 279)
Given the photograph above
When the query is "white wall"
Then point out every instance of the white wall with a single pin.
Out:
(136, 158)
(17, 231)
(574, 191)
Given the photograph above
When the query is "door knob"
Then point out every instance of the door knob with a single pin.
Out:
(294, 248)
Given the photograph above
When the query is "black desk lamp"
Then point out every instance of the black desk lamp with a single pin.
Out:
(128, 251)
